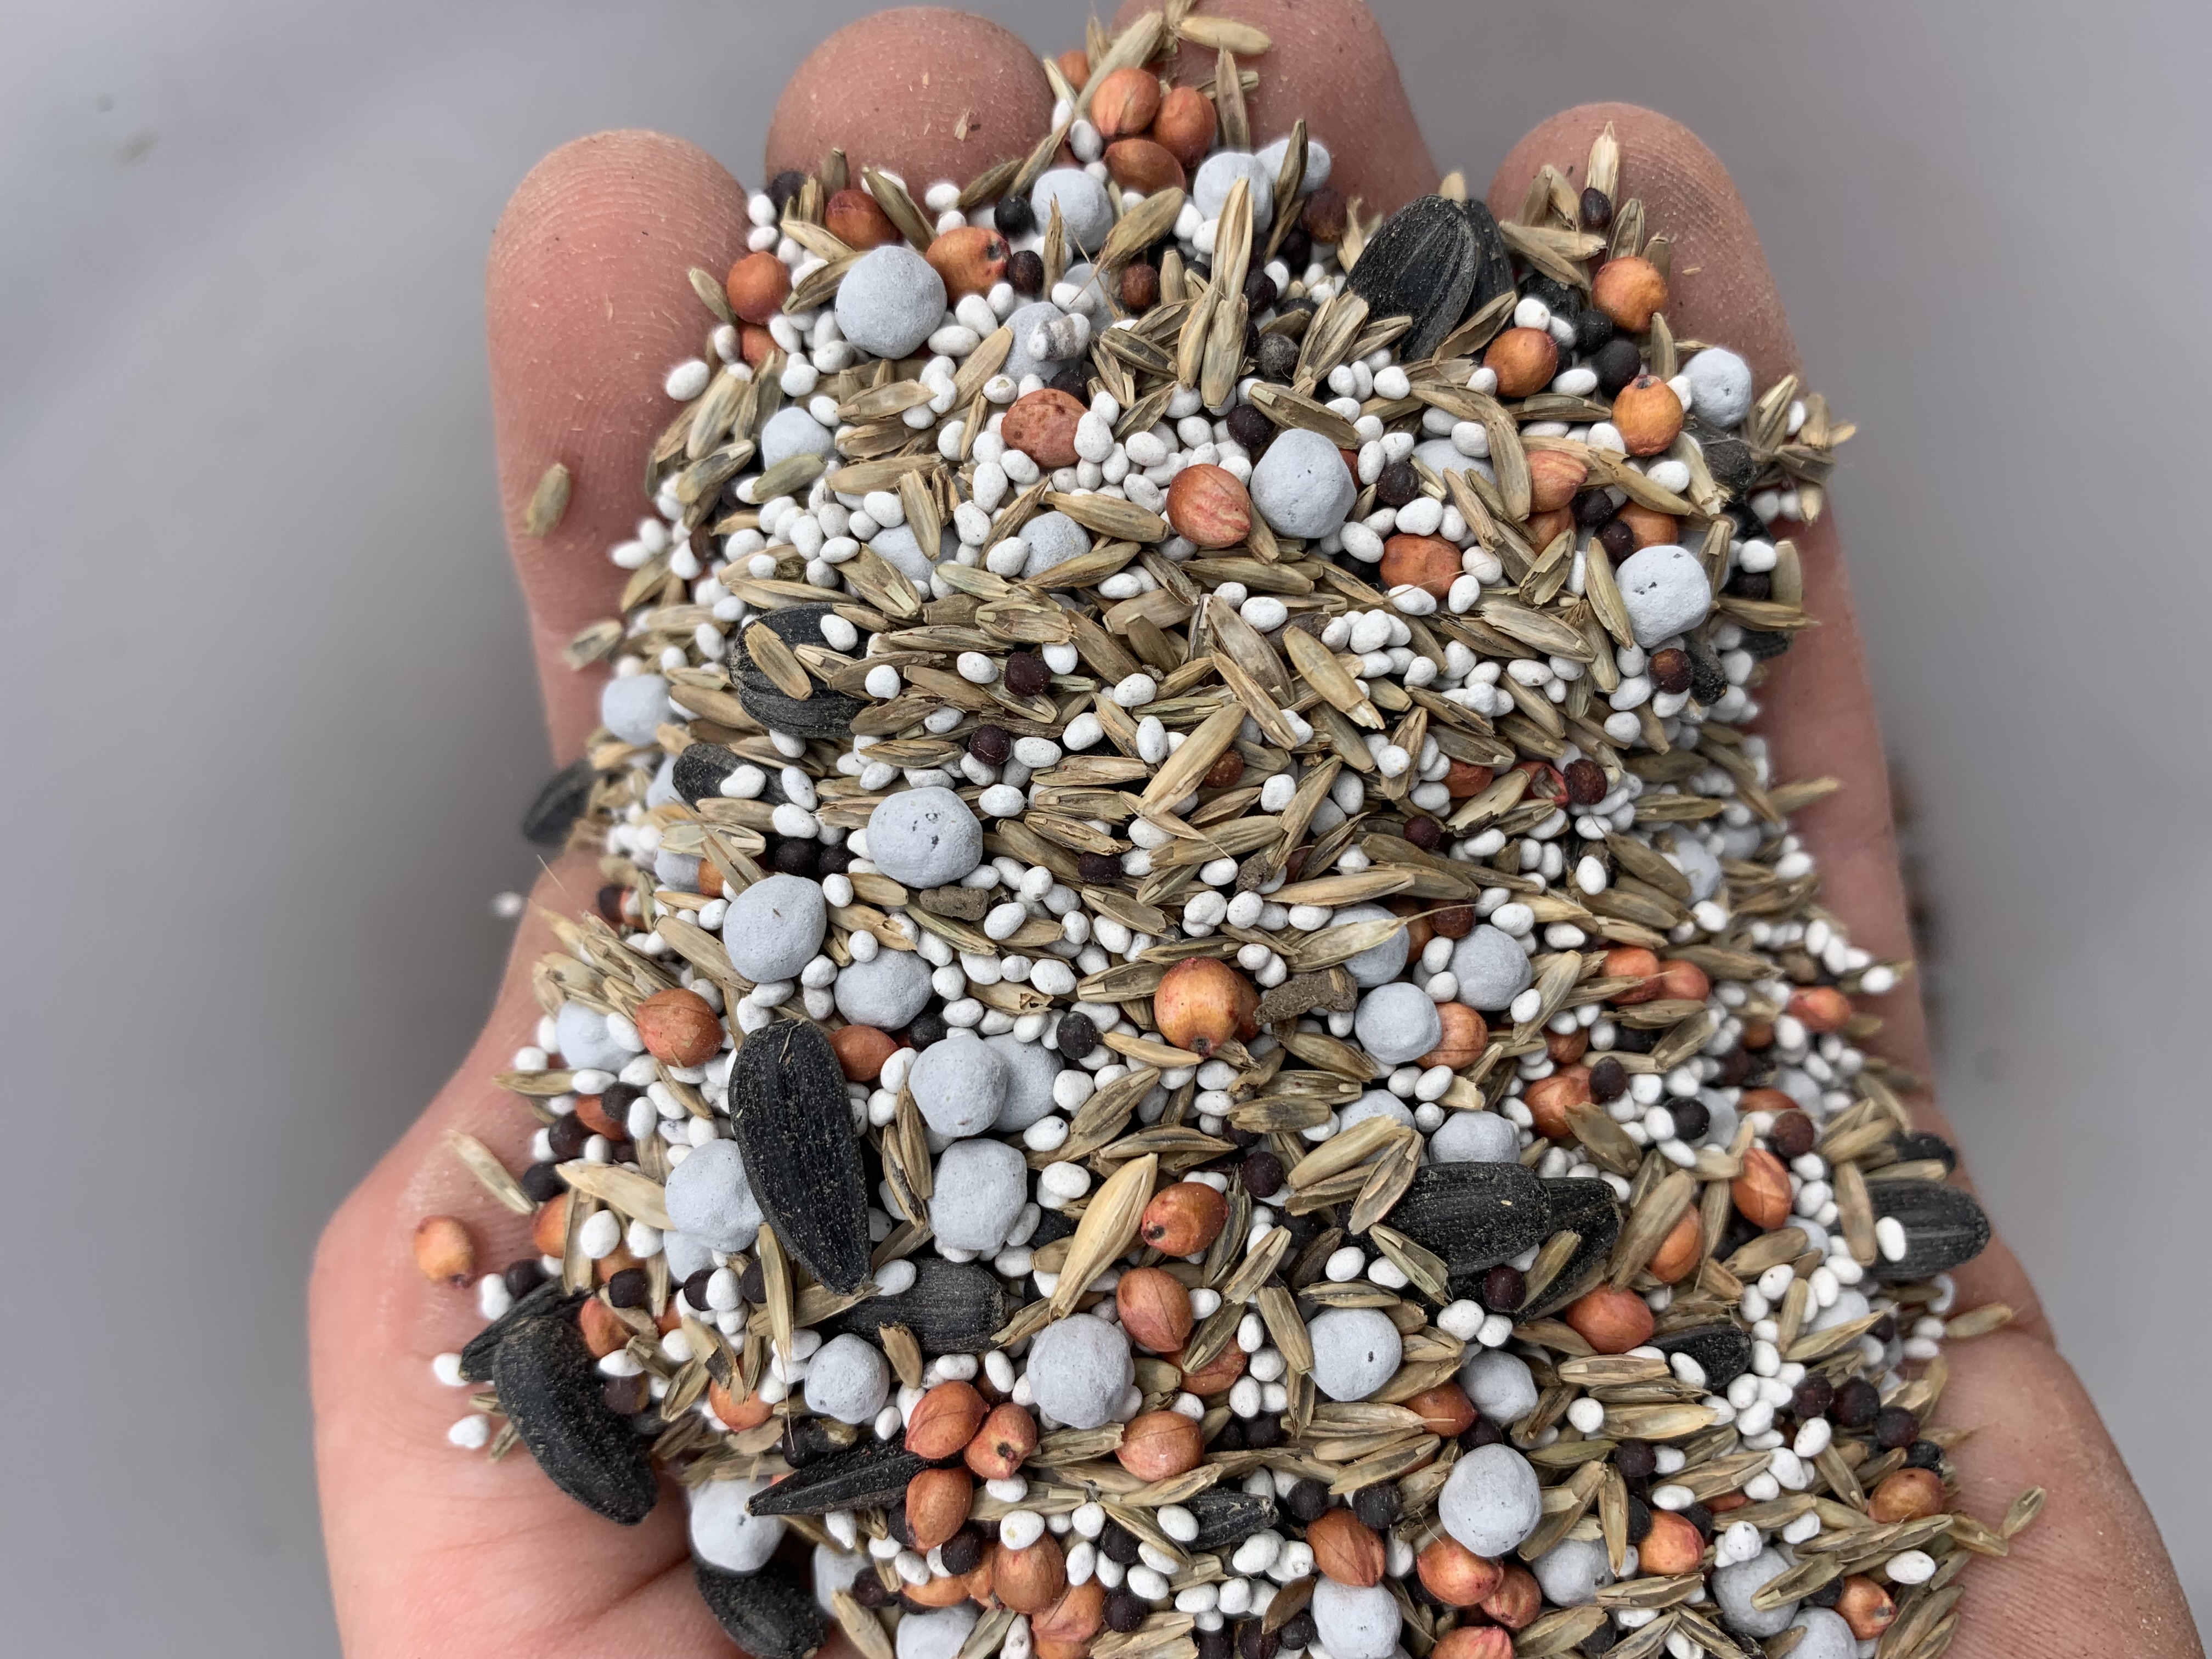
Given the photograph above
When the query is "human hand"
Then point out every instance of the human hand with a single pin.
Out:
(433, 1551)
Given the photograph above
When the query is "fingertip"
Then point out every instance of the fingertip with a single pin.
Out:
(588, 303)
(926, 92)
(1328, 61)
(1721, 289)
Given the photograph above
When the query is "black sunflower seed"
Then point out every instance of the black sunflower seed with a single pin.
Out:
(1227, 1517)
(826, 714)
(1723, 1352)
(802, 1159)
(1944, 1227)
(871, 1473)
(700, 769)
(476, 1354)
(766, 1613)
(551, 1388)
(952, 1307)
(559, 804)
(1433, 260)
(1585, 1207)
(1924, 1145)
(1474, 1215)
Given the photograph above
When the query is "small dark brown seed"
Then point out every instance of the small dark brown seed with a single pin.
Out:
(524, 1275)
(1425, 833)
(1609, 1080)
(626, 1396)
(1585, 782)
(1307, 1500)
(1027, 674)
(1258, 292)
(1895, 1427)
(1140, 288)
(1618, 540)
(1099, 869)
(1857, 1403)
(1324, 215)
(1126, 1610)
(991, 744)
(1118, 1544)
(1279, 361)
(1452, 921)
(964, 1551)
(1671, 670)
(695, 1288)
(1025, 272)
(1638, 1460)
(1692, 1119)
(1813, 1397)
(1597, 208)
(1262, 1173)
(1077, 1035)
(1247, 425)
(1503, 1289)
(1792, 1135)
(1377, 1506)
(1398, 484)
(630, 1288)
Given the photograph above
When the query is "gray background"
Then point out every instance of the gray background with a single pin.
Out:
(270, 716)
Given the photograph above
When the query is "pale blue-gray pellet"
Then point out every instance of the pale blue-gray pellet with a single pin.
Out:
(1491, 968)
(792, 431)
(1396, 1023)
(1378, 964)
(1085, 215)
(1492, 1501)
(1720, 386)
(1665, 591)
(891, 301)
(1735, 1585)
(1024, 323)
(1319, 164)
(848, 1379)
(1572, 1572)
(924, 837)
(886, 991)
(1080, 1368)
(581, 1033)
(1217, 176)
(662, 790)
(725, 1533)
(1031, 1070)
(959, 1084)
(939, 1633)
(1500, 1385)
(686, 1255)
(635, 706)
(1301, 485)
(1700, 868)
(775, 927)
(897, 547)
(1052, 538)
(1826, 1636)
(1356, 1351)
(1475, 1137)
(678, 872)
(709, 1197)
(1355, 1621)
(982, 1185)
(1376, 1102)
(1442, 455)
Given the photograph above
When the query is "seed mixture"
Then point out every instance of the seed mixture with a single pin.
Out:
(1206, 1030)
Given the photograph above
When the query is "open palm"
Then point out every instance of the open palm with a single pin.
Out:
(433, 1551)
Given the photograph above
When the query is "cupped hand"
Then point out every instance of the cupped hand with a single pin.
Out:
(435, 1551)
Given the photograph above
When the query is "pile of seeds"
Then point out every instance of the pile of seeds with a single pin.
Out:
(1206, 1029)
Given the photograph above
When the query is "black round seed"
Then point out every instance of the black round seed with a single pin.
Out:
(868, 1590)
(794, 858)
(1503, 1288)
(524, 1275)
(1923, 1455)
(695, 1288)
(1884, 1329)
(1118, 1545)
(1258, 292)
(1692, 1119)
(1827, 1596)
(1262, 1173)
(1609, 1080)
(1026, 674)
(1857, 1403)
(1631, 1041)
(1025, 272)
(1425, 833)
(1308, 1500)
(927, 1028)
(1618, 540)
(1700, 1517)
(1126, 1610)
(785, 185)
(991, 745)
(1593, 331)
(1597, 208)
(1593, 508)
(1099, 869)
(630, 1288)
(1072, 380)
(609, 904)
(1262, 1431)
(1617, 362)
(1637, 1460)
(1377, 1506)
(626, 1396)
(1231, 1438)
(543, 1182)
(1255, 1642)
(963, 1550)
(1484, 1433)
(1247, 425)
(1298, 1629)
(1214, 1644)
(1398, 484)
(1077, 1035)
(1895, 1427)
(1813, 1397)
(1013, 217)
(834, 860)
(568, 1136)
(1639, 1519)
(1279, 358)
(752, 1284)
(1751, 585)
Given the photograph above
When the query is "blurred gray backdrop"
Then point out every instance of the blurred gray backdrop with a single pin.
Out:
(272, 721)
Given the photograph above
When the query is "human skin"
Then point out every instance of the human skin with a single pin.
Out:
(433, 1551)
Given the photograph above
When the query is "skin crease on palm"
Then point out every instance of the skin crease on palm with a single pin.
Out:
(435, 1551)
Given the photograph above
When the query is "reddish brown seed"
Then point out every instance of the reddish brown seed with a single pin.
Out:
(1762, 1191)
(1428, 562)
(1555, 476)
(1820, 1008)
(1203, 1002)
(444, 1250)
(1126, 101)
(1160, 1445)
(1524, 360)
(1452, 921)
(1647, 527)
(1209, 507)
(678, 1027)
(1681, 1251)
(1184, 1218)
(1792, 1135)
(1670, 670)
(1672, 1547)
(854, 219)
(1154, 1309)
(1216, 1376)
(758, 286)
(1445, 1410)
(1224, 772)
(1465, 1035)
(1647, 415)
(1140, 288)
(1454, 1574)
(1548, 1099)
(1141, 164)
(1466, 779)
(1629, 289)
(944, 1420)
(969, 260)
(1611, 1320)
(1324, 215)
(861, 1051)
(1042, 425)
(1003, 1444)
(1184, 126)
(936, 1503)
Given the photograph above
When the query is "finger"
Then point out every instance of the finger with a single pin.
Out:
(2032, 1423)
(587, 306)
(1329, 63)
(926, 92)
